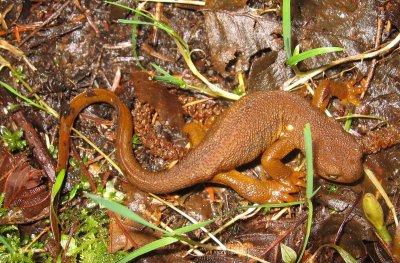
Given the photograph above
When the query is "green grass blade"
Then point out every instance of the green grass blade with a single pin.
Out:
(125, 212)
(137, 22)
(348, 122)
(196, 226)
(311, 53)
(309, 160)
(309, 184)
(16, 93)
(55, 197)
(57, 185)
(157, 23)
(134, 44)
(287, 28)
(160, 69)
(7, 245)
(168, 77)
(346, 256)
(148, 248)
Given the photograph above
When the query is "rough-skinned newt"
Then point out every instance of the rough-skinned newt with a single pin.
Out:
(266, 122)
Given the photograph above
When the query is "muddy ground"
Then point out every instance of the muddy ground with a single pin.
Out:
(52, 51)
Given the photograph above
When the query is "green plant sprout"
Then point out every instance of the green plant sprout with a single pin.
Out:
(374, 213)
(182, 46)
(136, 141)
(240, 89)
(288, 254)
(371, 176)
(13, 140)
(296, 57)
(168, 78)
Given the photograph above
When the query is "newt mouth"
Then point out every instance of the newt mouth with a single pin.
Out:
(333, 177)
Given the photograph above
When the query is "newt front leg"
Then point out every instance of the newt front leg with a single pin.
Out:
(271, 161)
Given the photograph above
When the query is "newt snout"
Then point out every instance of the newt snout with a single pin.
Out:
(339, 158)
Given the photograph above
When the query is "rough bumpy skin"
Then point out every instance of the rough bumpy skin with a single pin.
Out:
(241, 134)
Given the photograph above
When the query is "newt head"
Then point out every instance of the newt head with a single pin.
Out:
(338, 159)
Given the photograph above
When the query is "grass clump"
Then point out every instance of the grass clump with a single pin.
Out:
(296, 56)
(183, 49)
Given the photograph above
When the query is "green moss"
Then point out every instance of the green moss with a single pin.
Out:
(90, 242)
(12, 247)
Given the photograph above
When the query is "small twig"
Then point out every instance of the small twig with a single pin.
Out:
(347, 218)
(154, 33)
(73, 229)
(121, 226)
(85, 172)
(89, 18)
(35, 142)
(36, 238)
(378, 39)
(284, 234)
(3, 16)
(95, 70)
(116, 80)
(44, 23)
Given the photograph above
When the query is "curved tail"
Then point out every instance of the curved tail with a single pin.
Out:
(179, 177)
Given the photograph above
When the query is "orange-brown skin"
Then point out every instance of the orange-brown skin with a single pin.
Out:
(262, 122)
(345, 91)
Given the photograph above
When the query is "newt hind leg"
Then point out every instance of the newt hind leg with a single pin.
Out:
(258, 191)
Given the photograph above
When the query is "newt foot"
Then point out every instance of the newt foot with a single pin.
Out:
(295, 179)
